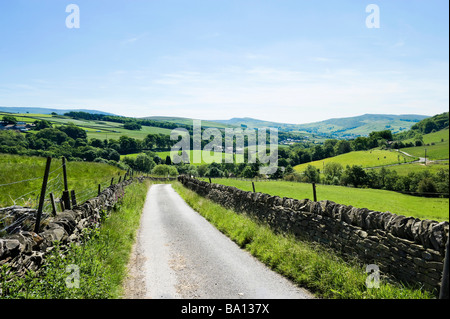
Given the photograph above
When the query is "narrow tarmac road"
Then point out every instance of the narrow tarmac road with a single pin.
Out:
(180, 255)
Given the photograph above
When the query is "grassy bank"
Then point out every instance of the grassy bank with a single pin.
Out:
(373, 199)
(102, 259)
(307, 264)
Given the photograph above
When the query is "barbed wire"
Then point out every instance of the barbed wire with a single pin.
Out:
(55, 185)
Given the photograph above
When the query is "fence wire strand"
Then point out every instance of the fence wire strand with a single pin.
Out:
(30, 199)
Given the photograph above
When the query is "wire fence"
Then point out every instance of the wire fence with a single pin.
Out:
(23, 214)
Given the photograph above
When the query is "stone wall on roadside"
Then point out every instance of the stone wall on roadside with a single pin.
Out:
(26, 250)
(405, 248)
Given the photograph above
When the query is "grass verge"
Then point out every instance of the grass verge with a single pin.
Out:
(101, 260)
(307, 264)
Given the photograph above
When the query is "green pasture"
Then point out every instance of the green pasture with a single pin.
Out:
(373, 199)
(371, 158)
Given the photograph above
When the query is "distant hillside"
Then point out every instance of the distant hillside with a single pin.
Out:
(348, 127)
(187, 121)
(43, 110)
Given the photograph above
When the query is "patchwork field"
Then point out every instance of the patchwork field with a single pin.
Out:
(372, 158)
(94, 129)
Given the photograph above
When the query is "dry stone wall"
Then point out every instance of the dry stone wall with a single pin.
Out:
(25, 250)
(405, 248)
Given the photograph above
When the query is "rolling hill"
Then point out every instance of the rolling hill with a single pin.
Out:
(42, 110)
(348, 127)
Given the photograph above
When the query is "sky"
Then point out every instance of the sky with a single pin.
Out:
(288, 61)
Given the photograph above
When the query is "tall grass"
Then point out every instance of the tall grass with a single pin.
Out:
(83, 177)
(102, 259)
(306, 264)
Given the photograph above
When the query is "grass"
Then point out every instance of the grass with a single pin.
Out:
(370, 158)
(433, 152)
(200, 153)
(306, 264)
(435, 137)
(440, 149)
(373, 199)
(405, 169)
(102, 260)
(83, 177)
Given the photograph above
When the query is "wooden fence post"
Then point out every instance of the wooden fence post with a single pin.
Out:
(52, 200)
(65, 196)
(99, 190)
(42, 197)
(314, 191)
(253, 185)
(74, 199)
(112, 181)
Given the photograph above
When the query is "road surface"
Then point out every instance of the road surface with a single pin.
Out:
(179, 255)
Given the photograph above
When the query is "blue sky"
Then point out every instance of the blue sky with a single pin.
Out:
(289, 61)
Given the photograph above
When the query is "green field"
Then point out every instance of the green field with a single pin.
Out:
(373, 199)
(372, 158)
(405, 169)
(83, 177)
(198, 153)
(438, 151)
(94, 129)
(433, 152)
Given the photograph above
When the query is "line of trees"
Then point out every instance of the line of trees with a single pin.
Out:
(71, 142)
(423, 183)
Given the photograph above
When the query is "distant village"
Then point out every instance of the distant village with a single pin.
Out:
(18, 126)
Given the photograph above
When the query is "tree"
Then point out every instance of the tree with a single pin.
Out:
(164, 170)
(354, 175)
(342, 147)
(95, 142)
(52, 134)
(332, 173)
(161, 170)
(73, 131)
(143, 163)
(41, 124)
(111, 154)
(202, 170)
(135, 126)
(157, 159)
(129, 145)
(149, 141)
(9, 119)
(248, 172)
(312, 174)
(426, 185)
